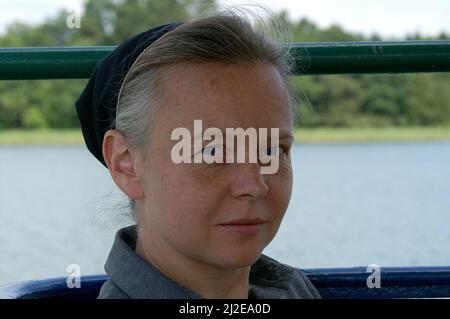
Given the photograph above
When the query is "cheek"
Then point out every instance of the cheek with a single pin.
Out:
(185, 198)
(280, 189)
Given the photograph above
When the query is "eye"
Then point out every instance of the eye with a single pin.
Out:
(209, 150)
(273, 150)
(213, 154)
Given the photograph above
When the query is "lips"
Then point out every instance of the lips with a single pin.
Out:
(245, 226)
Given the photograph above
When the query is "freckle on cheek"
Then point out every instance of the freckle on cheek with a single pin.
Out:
(205, 175)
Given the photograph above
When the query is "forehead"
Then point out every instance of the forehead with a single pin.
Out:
(226, 96)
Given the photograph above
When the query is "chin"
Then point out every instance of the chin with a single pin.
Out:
(238, 258)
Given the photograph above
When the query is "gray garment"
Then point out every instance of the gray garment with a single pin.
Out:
(130, 276)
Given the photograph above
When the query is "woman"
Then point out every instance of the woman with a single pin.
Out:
(202, 225)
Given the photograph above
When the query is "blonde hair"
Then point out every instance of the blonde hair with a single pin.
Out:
(236, 36)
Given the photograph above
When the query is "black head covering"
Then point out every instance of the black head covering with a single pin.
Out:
(96, 107)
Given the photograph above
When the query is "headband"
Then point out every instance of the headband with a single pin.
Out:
(96, 107)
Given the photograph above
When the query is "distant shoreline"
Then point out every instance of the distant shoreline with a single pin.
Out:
(302, 135)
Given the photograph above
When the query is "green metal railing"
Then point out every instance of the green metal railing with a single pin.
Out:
(310, 58)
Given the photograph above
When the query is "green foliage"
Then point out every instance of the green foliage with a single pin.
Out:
(367, 100)
(33, 118)
(42, 104)
(332, 101)
(373, 100)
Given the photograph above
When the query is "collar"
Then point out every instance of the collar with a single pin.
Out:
(139, 279)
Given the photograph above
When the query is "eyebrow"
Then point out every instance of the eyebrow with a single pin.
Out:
(286, 136)
(283, 135)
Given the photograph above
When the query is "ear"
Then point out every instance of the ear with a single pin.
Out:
(121, 161)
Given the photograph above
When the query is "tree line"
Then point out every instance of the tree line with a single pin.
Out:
(331, 101)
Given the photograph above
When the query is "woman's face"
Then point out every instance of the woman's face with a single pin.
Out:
(190, 208)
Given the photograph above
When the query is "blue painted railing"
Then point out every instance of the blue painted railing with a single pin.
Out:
(332, 283)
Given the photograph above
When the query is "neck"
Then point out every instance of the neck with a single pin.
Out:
(206, 280)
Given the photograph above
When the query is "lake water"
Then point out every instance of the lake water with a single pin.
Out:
(352, 205)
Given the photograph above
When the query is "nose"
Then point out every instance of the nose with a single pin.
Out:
(248, 182)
